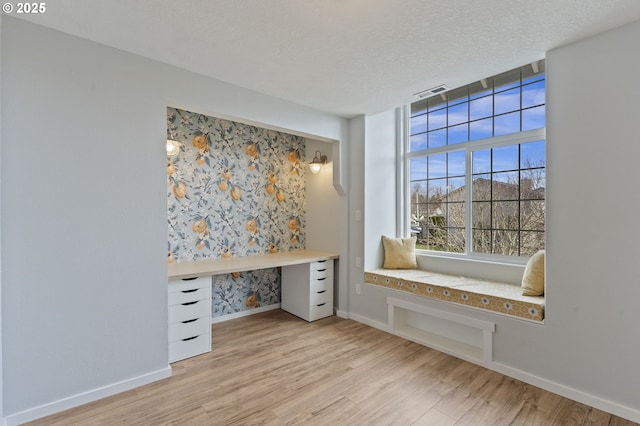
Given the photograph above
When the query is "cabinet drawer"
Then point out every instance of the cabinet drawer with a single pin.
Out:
(190, 328)
(321, 265)
(315, 274)
(320, 284)
(189, 295)
(189, 311)
(322, 296)
(182, 349)
(189, 284)
(320, 311)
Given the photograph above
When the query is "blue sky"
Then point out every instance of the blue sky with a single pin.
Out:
(471, 118)
(520, 108)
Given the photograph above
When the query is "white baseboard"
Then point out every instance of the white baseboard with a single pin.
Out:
(548, 385)
(244, 313)
(375, 324)
(85, 397)
(568, 392)
(342, 314)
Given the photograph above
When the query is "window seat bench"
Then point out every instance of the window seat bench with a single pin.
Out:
(477, 293)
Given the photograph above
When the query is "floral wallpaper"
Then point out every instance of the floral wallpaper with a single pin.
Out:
(241, 291)
(234, 190)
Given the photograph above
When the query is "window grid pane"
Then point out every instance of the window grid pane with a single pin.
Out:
(507, 181)
(438, 199)
(516, 104)
(508, 205)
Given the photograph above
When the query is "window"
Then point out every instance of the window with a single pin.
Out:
(489, 137)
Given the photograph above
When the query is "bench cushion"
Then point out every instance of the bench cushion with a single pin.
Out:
(488, 295)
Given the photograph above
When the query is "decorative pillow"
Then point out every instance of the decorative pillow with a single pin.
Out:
(533, 278)
(399, 253)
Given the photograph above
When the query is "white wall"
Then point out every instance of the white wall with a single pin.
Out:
(324, 207)
(380, 184)
(322, 201)
(82, 253)
(356, 203)
(588, 346)
(371, 205)
(84, 209)
(592, 235)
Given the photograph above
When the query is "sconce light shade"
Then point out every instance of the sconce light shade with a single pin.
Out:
(315, 167)
(318, 161)
(173, 148)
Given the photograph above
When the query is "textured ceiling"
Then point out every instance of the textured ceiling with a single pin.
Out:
(346, 57)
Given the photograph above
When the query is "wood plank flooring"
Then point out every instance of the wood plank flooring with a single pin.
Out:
(275, 369)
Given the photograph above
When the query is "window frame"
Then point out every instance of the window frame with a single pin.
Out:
(404, 185)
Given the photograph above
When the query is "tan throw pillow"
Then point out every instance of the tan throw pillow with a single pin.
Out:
(399, 253)
(533, 278)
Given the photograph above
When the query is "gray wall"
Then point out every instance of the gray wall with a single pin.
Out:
(592, 235)
(588, 346)
(84, 210)
(83, 244)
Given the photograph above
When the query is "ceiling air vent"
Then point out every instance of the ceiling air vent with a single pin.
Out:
(433, 91)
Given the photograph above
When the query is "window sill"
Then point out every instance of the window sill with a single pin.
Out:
(466, 266)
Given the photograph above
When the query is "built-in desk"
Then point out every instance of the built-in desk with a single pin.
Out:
(307, 291)
(202, 268)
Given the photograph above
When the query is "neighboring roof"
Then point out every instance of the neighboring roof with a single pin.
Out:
(498, 186)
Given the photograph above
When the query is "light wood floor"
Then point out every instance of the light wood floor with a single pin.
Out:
(275, 369)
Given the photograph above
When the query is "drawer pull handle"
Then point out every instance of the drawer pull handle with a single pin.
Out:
(322, 270)
(189, 303)
(189, 338)
(322, 279)
(189, 291)
(322, 304)
(320, 292)
(322, 261)
(190, 279)
(188, 321)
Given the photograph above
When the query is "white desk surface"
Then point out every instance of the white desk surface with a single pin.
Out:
(202, 268)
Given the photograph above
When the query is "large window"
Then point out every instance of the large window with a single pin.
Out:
(489, 137)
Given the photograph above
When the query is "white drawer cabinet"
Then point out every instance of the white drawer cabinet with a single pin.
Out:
(189, 317)
(307, 289)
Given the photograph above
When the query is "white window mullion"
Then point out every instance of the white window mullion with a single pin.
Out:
(403, 189)
(468, 232)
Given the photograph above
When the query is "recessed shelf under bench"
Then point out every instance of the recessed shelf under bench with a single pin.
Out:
(457, 335)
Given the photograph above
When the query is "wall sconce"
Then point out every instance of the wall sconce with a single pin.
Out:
(173, 148)
(318, 161)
